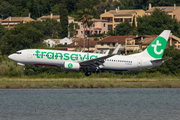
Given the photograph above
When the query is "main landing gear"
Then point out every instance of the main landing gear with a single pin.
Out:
(88, 73)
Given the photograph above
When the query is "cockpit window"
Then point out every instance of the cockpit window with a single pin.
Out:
(18, 52)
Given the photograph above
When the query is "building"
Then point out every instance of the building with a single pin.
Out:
(89, 38)
(79, 46)
(0, 20)
(57, 17)
(65, 41)
(142, 38)
(172, 11)
(10, 22)
(98, 27)
(127, 43)
(118, 16)
(145, 40)
(53, 42)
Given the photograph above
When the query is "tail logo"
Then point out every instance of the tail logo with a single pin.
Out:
(156, 49)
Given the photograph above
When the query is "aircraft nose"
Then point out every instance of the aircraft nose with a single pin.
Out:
(11, 56)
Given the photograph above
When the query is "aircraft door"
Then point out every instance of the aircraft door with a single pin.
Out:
(29, 54)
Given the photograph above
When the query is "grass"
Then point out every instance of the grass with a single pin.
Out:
(12, 76)
(15, 83)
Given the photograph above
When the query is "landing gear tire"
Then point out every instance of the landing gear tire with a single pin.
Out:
(88, 73)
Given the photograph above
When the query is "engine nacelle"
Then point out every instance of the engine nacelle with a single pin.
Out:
(71, 66)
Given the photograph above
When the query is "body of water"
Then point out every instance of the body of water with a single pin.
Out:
(90, 104)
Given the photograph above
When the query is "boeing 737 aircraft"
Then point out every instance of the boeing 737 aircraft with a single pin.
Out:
(73, 61)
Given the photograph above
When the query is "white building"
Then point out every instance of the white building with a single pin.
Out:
(53, 42)
(66, 41)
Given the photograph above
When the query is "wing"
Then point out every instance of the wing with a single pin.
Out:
(94, 63)
(107, 52)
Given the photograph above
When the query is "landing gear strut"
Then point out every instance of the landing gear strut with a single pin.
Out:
(88, 73)
(24, 68)
(98, 71)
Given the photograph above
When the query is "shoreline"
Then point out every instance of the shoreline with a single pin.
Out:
(41, 83)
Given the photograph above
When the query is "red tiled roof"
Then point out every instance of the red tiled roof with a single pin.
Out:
(81, 43)
(146, 36)
(116, 39)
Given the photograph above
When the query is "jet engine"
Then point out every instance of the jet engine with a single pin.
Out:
(71, 66)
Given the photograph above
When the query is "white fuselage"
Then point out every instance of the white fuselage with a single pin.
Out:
(57, 58)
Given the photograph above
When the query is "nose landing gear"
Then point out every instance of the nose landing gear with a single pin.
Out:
(24, 68)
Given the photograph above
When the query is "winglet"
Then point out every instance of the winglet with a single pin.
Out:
(107, 52)
(116, 50)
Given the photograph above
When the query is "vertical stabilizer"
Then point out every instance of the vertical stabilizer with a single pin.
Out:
(156, 49)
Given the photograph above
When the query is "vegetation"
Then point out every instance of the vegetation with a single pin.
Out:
(18, 83)
(123, 29)
(21, 37)
(164, 76)
(148, 25)
(63, 19)
(169, 68)
(38, 8)
(72, 29)
(31, 35)
(85, 16)
(156, 23)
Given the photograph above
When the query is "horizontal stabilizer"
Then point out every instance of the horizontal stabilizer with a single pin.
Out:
(158, 60)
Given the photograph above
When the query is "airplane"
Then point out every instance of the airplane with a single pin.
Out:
(74, 61)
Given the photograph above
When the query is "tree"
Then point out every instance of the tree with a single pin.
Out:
(6, 10)
(72, 29)
(173, 65)
(85, 16)
(156, 23)
(88, 4)
(33, 8)
(52, 28)
(110, 33)
(2, 31)
(23, 36)
(63, 19)
(133, 23)
(123, 28)
(55, 9)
